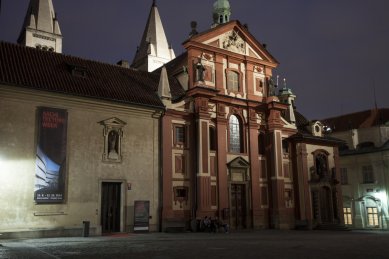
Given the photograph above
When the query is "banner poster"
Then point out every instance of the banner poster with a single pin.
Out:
(141, 216)
(50, 167)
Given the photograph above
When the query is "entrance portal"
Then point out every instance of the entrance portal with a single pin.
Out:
(325, 205)
(110, 207)
(238, 206)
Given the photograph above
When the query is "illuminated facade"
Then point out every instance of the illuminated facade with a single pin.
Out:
(207, 134)
(233, 147)
(364, 170)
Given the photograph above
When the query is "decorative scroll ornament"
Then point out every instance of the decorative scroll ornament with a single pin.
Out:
(233, 42)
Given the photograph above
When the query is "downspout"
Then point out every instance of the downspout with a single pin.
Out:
(160, 163)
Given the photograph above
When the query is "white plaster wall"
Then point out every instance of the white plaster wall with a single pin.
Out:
(85, 170)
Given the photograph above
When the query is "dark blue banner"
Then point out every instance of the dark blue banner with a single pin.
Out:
(50, 167)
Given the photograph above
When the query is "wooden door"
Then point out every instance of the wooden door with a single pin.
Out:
(238, 206)
(325, 205)
(110, 207)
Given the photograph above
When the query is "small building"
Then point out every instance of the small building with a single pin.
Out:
(364, 161)
(79, 141)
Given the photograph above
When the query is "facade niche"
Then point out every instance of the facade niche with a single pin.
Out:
(113, 135)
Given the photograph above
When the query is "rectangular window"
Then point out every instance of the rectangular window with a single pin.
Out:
(372, 217)
(233, 81)
(347, 216)
(367, 173)
(343, 176)
(179, 133)
(264, 199)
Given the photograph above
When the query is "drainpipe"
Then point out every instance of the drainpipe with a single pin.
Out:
(160, 164)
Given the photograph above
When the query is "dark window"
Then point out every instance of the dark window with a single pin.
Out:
(367, 174)
(233, 81)
(212, 138)
(261, 144)
(343, 176)
(285, 146)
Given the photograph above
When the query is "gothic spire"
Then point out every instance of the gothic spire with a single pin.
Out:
(41, 28)
(154, 50)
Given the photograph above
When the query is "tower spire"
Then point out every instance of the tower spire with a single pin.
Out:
(154, 49)
(41, 28)
(221, 12)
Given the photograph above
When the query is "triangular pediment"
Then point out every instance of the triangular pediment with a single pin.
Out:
(238, 162)
(115, 122)
(235, 38)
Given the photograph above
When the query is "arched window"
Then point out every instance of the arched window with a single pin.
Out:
(232, 81)
(221, 19)
(235, 135)
(212, 138)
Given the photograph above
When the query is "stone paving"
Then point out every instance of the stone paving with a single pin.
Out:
(251, 244)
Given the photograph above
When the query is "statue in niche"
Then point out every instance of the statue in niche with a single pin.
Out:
(113, 138)
(200, 71)
(272, 86)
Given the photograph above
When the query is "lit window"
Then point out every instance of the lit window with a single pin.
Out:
(343, 176)
(235, 135)
(367, 174)
(233, 81)
(372, 217)
(347, 216)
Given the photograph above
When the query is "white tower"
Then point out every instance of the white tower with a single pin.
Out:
(41, 29)
(154, 50)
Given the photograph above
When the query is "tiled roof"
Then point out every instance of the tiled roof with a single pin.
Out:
(47, 71)
(363, 119)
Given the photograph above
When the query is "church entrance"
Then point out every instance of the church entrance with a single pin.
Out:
(325, 205)
(239, 179)
(110, 207)
(238, 206)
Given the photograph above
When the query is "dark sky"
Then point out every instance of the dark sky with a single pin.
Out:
(333, 53)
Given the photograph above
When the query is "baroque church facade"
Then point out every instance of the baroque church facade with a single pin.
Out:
(205, 133)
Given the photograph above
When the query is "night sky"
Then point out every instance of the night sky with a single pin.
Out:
(333, 53)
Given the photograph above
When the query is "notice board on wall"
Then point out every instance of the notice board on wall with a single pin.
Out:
(141, 216)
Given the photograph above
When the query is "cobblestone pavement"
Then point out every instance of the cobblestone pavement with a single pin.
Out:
(254, 244)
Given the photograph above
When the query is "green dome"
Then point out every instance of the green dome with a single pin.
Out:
(221, 12)
(221, 4)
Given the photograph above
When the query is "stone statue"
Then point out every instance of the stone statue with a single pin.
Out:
(200, 71)
(272, 87)
(113, 139)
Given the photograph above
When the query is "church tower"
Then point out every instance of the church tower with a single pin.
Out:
(221, 12)
(154, 50)
(41, 28)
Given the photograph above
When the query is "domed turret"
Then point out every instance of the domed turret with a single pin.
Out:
(221, 12)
